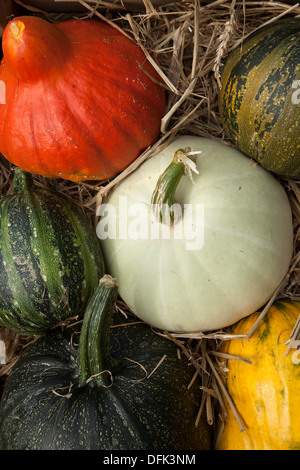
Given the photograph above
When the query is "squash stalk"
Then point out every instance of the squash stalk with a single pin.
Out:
(94, 360)
(164, 206)
(23, 181)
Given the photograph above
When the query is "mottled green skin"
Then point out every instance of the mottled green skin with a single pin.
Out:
(50, 259)
(43, 406)
(259, 100)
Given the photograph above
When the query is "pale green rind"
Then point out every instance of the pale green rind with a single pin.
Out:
(247, 236)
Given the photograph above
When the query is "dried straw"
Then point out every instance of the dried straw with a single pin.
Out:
(187, 43)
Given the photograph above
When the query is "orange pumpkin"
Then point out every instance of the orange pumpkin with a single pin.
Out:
(266, 392)
(81, 99)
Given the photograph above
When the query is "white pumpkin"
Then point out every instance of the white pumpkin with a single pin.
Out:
(220, 262)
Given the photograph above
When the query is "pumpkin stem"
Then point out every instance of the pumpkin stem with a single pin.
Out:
(163, 203)
(23, 181)
(94, 359)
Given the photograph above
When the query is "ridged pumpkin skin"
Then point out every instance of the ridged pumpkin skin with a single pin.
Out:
(50, 258)
(259, 98)
(219, 266)
(80, 100)
(121, 406)
(265, 393)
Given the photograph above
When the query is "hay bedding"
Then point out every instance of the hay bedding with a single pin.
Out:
(187, 42)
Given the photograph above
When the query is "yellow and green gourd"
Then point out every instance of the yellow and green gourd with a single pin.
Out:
(259, 99)
(265, 392)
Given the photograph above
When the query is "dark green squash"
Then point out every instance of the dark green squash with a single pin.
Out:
(50, 257)
(123, 388)
(259, 100)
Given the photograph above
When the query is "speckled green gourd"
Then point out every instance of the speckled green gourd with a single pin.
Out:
(50, 257)
(259, 98)
(123, 388)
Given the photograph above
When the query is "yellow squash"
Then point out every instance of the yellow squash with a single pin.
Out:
(266, 393)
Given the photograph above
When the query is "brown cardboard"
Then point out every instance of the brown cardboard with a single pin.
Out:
(73, 5)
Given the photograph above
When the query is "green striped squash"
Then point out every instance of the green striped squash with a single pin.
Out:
(259, 99)
(122, 388)
(50, 257)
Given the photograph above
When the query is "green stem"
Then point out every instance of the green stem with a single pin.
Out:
(163, 203)
(94, 359)
(23, 181)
